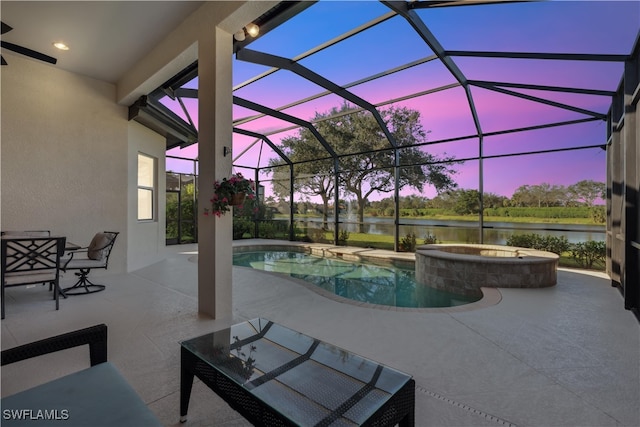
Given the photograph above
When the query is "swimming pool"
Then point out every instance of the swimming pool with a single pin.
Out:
(369, 283)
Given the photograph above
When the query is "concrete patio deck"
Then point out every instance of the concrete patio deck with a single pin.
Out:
(562, 356)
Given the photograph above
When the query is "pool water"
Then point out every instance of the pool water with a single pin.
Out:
(375, 284)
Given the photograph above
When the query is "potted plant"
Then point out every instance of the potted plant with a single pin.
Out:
(230, 192)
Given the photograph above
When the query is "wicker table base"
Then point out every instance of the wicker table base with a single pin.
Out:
(274, 376)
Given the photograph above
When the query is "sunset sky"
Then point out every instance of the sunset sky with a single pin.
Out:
(596, 27)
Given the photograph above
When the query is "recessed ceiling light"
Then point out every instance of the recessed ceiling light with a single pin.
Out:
(61, 46)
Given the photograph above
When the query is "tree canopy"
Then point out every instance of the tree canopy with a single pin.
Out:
(366, 156)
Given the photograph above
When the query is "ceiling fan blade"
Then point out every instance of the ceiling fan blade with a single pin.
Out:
(2, 61)
(5, 28)
(28, 52)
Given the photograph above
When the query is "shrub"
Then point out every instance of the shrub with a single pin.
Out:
(242, 226)
(523, 240)
(430, 239)
(554, 244)
(599, 214)
(586, 254)
(343, 236)
(542, 212)
(408, 243)
(268, 229)
(317, 235)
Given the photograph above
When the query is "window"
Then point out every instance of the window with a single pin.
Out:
(146, 187)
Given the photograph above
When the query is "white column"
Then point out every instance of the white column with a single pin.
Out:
(215, 50)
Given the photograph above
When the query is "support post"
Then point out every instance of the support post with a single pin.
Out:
(631, 272)
(291, 227)
(336, 200)
(396, 199)
(214, 234)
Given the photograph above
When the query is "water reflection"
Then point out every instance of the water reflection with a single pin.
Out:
(496, 233)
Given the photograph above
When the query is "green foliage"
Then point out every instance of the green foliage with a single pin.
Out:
(598, 214)
(587, 191)
(343, 236)
(546, 212)
(318, 235)
(590, 253)
(245, 217)
(430, 212)
(273, 229)
(223, 192)
(467, 202)
(548, 243)
(349, 130)
(378, 241)
(430, 239)
(408, 243)
(185, 217)
(242, 226)
(586, 254)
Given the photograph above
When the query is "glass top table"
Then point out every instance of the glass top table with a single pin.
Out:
(273, 375)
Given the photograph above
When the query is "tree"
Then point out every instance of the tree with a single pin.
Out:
(310, 178)
(588, 191)
(540, 195)
(369, 165)
(492, 200)
(467, 202)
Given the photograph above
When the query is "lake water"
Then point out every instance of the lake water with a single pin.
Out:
(495, 233)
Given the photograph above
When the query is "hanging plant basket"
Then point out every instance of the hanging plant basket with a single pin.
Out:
(230, 191)
(237, 199)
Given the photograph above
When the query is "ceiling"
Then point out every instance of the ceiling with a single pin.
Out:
(106, 38)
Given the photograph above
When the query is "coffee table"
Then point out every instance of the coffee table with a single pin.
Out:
(273, 375)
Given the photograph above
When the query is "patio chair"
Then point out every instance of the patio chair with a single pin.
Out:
(31, 260)
(92, 257)
(28, 233)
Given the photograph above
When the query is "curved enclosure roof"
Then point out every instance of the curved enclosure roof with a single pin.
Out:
(489, 79)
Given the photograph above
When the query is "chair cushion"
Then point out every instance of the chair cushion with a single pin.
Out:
(97, 396)
(95, 250)
(78, 263)
(26, 277)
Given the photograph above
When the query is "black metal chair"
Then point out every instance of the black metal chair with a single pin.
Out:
(30, 260)
(94, 256)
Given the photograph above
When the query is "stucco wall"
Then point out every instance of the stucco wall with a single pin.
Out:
(146, 239)
(64, 154)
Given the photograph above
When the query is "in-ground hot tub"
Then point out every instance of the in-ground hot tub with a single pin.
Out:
(465, 268)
